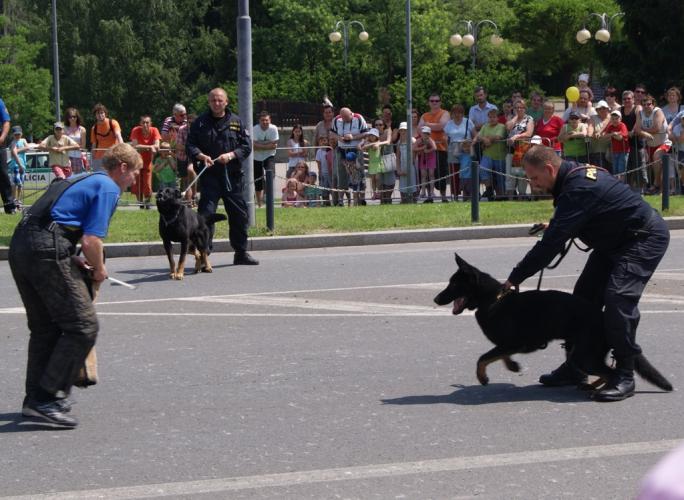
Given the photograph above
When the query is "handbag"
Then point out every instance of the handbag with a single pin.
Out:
(389, 163)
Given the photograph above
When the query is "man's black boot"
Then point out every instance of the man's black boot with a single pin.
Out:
(244, 259)
(563, 375)
(622, 386)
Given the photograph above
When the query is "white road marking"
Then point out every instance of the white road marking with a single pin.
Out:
(362, 472)
(313, 303)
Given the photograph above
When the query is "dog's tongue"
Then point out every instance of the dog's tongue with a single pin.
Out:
(459, 305)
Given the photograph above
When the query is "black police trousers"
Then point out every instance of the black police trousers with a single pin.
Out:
(61, 316)
(616, 281)
(229, 190)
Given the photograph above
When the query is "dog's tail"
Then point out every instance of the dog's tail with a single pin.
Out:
(211, 218)
(650, 374)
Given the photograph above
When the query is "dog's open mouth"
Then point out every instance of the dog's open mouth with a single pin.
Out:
(459, 305)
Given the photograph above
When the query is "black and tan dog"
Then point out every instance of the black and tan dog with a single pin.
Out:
(527, 321)
(178, 222)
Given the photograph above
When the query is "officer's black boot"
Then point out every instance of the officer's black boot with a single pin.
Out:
(622, 385)
(563, 375)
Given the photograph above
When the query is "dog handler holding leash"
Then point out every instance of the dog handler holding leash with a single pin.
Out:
(628, 239)
(59, 307)
(218, 139)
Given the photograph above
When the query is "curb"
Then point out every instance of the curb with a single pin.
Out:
(262, 243)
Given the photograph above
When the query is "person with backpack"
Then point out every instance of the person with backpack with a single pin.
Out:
(103, 135)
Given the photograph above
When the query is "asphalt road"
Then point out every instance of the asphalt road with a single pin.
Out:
(329, 373)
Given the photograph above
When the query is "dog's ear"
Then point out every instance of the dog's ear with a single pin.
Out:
(462, 264)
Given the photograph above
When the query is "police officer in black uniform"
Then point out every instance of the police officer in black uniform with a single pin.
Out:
(219, 141)
(628, 239)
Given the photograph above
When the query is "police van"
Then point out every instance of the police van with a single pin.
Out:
(38, 174)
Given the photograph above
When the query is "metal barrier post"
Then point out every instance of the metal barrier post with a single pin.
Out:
(475, 192)
(665, 182)
(269, 198)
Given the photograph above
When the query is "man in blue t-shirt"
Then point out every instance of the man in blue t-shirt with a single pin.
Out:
(61, 316)
(5, 186)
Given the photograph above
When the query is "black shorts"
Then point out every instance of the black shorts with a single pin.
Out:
(259, 167)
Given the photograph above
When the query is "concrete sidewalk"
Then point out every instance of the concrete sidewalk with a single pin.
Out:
(145, 249)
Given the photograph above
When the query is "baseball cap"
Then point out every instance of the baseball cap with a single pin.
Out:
(16, 130)
(616, 112)
(584, 77)
(602, 104)
(403, 126)
(426, 130)
(58, 125)
(574, 115)
(374, 132)
(536, 139)
(350, 156)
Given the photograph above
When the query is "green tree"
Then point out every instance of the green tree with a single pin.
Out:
(546, 30)
(24, 86)
(649, 50)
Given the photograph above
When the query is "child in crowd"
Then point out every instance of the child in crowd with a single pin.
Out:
(426, 158)
(165, 167)
(619, 142)
(371, 149)
(312, 193)
(291, 196)
(406, 170)
(58, 145)
(324, 160)
(492, 136)
(574, 139)
(17, 163)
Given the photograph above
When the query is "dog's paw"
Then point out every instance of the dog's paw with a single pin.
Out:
(481, 373)
(207, 269)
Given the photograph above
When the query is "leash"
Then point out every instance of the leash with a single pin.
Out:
(195, 180)
(540, 227)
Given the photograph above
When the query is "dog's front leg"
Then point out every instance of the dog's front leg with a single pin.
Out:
(181, 260)
(490, 357)
(168, 248)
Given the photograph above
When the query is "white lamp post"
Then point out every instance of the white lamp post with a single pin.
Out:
(336, 36)
(469, 40)
(603, 34)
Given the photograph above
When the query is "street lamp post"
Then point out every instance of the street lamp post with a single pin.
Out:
(55, 62)
(603, 34)
(470, 38)
(336, 36)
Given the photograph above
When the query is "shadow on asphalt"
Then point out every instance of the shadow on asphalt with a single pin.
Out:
(494, 393)
(16, 422)
(156, 275)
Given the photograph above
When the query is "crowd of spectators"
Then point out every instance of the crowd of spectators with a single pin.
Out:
(624, 132)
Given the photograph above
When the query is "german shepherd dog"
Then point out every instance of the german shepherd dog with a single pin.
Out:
(527, 321)
(178, 222)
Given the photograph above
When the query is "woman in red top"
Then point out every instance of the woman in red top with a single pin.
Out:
(549, 126)
(145, 138)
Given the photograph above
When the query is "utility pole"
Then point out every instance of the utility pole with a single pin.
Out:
(244, 29)
(55, 62)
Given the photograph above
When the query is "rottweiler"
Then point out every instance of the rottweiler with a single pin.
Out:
(178, 222)
(527, 321)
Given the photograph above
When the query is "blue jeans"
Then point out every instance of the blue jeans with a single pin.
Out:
(619, 163)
